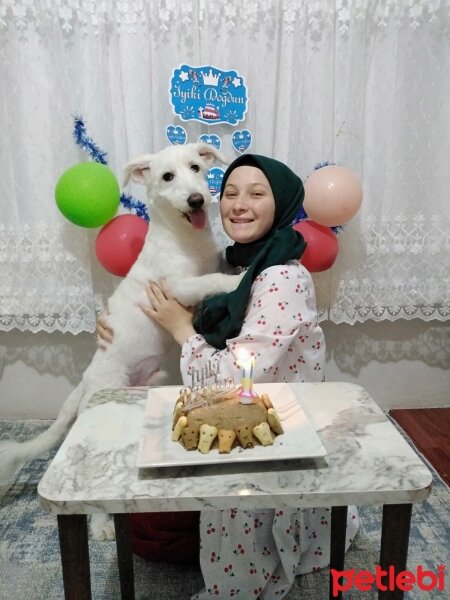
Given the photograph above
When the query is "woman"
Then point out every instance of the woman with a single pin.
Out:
(272, 315)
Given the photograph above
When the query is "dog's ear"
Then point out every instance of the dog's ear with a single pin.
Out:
(210, 154)
(138, 169)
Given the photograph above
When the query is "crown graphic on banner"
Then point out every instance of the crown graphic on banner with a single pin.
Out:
(210, 79)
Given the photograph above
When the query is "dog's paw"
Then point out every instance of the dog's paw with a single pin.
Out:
(236, 280)
(187, 298)
(228, 283)
(185, 291)
(192, 290)
(102, 527)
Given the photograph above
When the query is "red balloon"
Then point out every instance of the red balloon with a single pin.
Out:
(322, 246)
(120, 242)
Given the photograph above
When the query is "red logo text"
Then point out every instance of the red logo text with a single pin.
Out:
(388, 579)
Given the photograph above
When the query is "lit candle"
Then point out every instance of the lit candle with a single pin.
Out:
(247, 363)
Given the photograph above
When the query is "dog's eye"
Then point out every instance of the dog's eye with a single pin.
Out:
(195, 168)
(168, 176)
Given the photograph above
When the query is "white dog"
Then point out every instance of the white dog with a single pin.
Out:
(180, 248)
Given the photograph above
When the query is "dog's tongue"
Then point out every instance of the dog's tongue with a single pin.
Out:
(198, 219)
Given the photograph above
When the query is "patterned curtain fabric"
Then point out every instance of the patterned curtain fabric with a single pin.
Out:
(362, 83)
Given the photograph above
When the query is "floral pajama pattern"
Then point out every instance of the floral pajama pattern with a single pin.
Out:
(257, 554)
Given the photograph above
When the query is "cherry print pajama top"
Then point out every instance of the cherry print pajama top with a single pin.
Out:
(256, 554)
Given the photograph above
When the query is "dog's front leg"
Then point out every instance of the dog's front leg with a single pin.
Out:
(192, 290)
(102, 527)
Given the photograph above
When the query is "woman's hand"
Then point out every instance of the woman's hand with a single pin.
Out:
(168, 312)
(103, 331)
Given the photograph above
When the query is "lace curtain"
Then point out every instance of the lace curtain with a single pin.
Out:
(362, 83)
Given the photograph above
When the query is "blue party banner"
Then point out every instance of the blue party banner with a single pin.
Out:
(176, 134)
(241, 140)
(208, 94)
(214, 177)
(213, 140)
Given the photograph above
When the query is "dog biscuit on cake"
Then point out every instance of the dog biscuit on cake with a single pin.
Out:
(178, 429)
(274, 421)
(189, 437)
(208, 434)
(177, 412)
(245, 436)
(267, 401)
(226, 439)
(263, 434)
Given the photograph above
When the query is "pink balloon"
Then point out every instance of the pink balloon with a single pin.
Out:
(120, 242)
(333, 195)
(322, 246)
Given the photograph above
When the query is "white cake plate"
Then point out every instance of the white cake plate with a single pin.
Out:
(156, 448)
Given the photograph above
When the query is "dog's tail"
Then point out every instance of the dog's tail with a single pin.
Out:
(13, 455)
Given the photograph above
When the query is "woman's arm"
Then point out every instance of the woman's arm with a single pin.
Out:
(165, 310)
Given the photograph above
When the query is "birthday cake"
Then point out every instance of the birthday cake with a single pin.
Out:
(221, 417)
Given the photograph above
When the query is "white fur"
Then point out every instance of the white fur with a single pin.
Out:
(186, 257)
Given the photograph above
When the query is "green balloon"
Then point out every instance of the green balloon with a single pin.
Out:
(88, 194)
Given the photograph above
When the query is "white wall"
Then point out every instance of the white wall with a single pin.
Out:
(403, 364)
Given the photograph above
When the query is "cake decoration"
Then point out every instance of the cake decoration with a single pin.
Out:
(247, 363)
(215, 413)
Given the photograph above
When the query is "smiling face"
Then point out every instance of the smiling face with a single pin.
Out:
(247, 206)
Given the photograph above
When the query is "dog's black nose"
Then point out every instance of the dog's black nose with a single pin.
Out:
(196, 201)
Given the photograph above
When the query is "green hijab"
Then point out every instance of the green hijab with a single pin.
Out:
(221, 317)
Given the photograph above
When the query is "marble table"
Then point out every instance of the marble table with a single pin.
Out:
(368, 462)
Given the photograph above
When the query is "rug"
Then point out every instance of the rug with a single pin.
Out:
(30, 563)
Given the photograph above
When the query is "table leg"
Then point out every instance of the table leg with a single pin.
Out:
(394, 544)
(124, 555)
(337, 548)
(73, 542)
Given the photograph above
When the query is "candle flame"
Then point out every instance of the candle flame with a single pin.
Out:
(242, 357)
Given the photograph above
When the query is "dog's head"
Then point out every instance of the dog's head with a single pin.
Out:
(175, 179)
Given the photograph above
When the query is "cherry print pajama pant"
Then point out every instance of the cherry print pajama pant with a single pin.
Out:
(246, 554)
